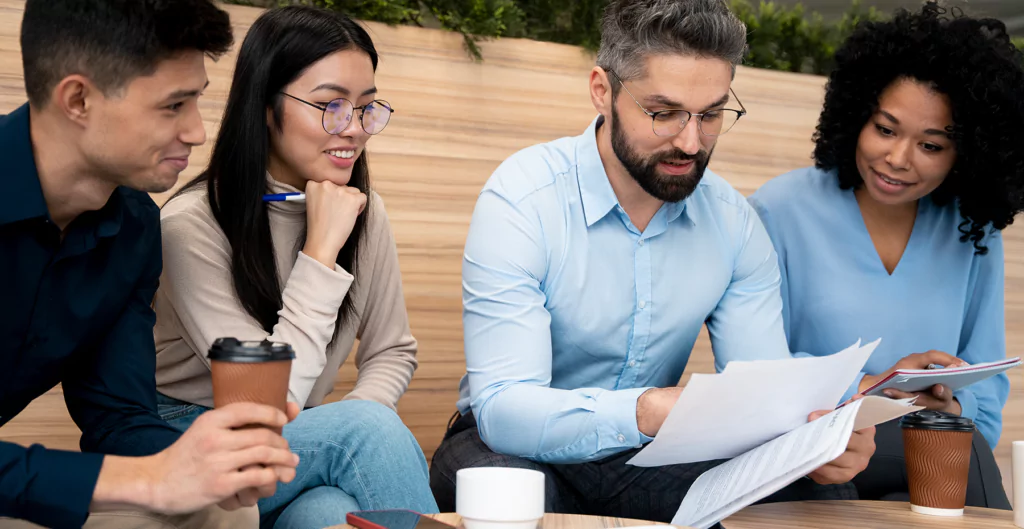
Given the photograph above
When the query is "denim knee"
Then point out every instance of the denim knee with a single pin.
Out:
(370, 419)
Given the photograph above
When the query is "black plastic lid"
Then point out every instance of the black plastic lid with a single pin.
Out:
(937, 420)
(232, 350)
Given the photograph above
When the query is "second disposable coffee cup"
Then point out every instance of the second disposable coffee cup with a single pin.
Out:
(250, 372)
(937, 449)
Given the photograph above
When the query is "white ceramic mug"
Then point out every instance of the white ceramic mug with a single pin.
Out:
(1018, 483)
(499, 498)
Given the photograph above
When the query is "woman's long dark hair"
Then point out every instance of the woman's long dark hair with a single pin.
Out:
(279, 47)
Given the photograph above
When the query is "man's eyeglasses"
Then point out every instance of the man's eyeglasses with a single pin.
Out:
(672, 121)
(373, 116)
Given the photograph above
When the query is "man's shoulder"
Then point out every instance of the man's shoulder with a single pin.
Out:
(532, 169)
(20, 113)
(719, 194)
(139, 213)
(139, 204)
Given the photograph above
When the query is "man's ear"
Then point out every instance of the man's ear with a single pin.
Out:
(601, 91)
(75, 96)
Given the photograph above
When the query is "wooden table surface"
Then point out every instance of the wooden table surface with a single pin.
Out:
(554, 521)
(861, 514)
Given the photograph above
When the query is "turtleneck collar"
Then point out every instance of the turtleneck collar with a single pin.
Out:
(289, 208)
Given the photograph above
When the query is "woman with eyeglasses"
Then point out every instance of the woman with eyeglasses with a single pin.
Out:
(282, 239)
(895, 233)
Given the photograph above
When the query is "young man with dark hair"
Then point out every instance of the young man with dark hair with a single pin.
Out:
(112, 114)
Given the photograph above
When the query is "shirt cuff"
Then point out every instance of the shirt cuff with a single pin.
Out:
(74, 475)
(620, 409)
(319, 288)
(968, 403)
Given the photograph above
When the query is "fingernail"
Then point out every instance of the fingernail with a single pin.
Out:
(888, 393)
(939, 391)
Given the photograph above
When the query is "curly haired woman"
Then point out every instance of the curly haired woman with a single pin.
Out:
(895, 231)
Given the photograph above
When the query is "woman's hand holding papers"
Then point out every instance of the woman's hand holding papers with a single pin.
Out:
(937, 397)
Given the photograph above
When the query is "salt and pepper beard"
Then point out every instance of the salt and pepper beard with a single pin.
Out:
(667, 188)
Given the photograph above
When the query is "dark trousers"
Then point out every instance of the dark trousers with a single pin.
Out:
(608, 487)
(886, 475)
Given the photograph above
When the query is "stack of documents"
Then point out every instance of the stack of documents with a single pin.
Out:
(723, 415)
(755, 413)
(731, 486)
(954, 378)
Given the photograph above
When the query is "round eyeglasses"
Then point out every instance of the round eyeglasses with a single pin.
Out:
(672, 121)
(373, 116)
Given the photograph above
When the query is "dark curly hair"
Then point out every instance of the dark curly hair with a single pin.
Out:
(972, 62)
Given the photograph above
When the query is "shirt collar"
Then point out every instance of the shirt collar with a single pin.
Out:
(23, 191)
(673, 210)
(595, 189)
(23, 194)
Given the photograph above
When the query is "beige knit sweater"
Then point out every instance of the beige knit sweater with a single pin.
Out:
(196, 304)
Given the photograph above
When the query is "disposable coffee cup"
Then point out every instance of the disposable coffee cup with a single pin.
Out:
(937, 449)
(250, 372)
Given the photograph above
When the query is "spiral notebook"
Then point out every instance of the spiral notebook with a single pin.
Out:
(911, 380)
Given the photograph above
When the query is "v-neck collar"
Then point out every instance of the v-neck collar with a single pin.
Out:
(908, 251)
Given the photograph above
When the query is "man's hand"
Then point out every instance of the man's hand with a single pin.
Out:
(937, 397)
(653, 407)
(212, 462)
(249, 497)
(914, 361)
(853, 461)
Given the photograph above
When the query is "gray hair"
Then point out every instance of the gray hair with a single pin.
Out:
(631, 30)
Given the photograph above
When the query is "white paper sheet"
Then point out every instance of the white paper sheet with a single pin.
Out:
(756, 474)
(723, 415)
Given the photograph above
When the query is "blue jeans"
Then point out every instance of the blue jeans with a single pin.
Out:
(353, 455)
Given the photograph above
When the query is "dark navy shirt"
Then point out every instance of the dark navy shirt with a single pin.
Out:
(77, 313)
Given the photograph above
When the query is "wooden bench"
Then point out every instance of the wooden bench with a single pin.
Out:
(456, 121)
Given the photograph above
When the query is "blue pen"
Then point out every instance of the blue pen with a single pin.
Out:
(284, 197)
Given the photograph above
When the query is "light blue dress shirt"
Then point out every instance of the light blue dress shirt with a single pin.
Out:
(571, 312)
(941, 295)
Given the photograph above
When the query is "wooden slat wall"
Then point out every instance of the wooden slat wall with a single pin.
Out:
(456, 121)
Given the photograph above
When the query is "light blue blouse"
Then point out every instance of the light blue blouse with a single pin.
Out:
(941, 295)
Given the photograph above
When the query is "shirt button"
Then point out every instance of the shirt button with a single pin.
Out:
(642, 304)
(632, 363)
(641, 243)
(622, 438)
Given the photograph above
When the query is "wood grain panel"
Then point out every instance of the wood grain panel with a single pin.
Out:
(860, 514)
(456, 121)
(553, 521)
